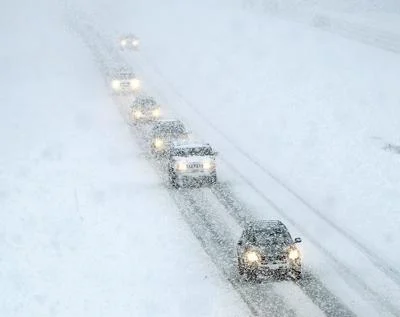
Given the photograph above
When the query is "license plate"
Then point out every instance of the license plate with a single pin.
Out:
(195, 166)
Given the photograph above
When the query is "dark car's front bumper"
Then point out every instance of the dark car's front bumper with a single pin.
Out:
(272, 266)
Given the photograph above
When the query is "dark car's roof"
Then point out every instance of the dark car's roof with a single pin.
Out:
(265, 225)
(145, 100)
(268, 232)
(169, 126)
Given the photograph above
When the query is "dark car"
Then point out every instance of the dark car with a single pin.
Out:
(144, 108)
(267, 248)
(164, 133)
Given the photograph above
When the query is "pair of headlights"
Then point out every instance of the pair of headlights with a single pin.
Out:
(133, 83)
(134, 42)
(139, 114)
(254, 257)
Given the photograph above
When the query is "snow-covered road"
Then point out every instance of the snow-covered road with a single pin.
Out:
(91, 225)
(86, 227)
(382, 298)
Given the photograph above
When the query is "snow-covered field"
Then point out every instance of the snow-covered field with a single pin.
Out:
(375, 23)
(298, 115)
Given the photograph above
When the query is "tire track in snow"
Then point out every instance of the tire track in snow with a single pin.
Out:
(214, 238)
(351, 277)
(380, 263)
(391, 272)
(309, 283)
(262, 301)
(336, 309)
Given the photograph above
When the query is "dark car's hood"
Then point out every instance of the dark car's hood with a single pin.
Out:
(274, 251)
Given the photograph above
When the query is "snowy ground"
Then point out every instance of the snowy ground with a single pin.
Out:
(375, 23)
(299, 130)
(87, 229)
(295, 105)
(310, 116)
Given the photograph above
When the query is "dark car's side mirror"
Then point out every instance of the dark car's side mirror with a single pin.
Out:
(240, 242)
(297, 240)
(215, 153)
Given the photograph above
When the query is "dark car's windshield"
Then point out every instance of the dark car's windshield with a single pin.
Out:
(272, 236)
(172, 128)
(123, 74)
(193, 151)
(145, 102)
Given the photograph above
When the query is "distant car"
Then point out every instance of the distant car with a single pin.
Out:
(267, 248)
(191, 162)
(164, 133)
(129, 41)
(144, 108)
(124, 81)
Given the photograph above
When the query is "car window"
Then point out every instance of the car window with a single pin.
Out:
(272, 236)
(169, 128)
(194, 151)
(126, 75)
(146, 102)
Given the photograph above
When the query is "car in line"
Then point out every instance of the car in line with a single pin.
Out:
(191, 163)
(267, 248)
(144, 109)
(163, 133)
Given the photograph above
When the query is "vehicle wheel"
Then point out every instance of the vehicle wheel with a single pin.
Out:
(172, 179)
(251, 275)
(213, 179)
(296, 275)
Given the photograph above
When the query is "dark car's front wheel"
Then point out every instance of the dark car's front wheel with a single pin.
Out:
(296, 274)
(213, 179)
(251, 275)
(173, 179)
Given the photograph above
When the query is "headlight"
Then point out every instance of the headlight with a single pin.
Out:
(135, 42)
(115, 84)
(156, 112)
(181, 166)
(252, 257)
(137, 114)
(294, 254)
(207, 165)
(135, 83)
(158, 143)
(123, 42)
